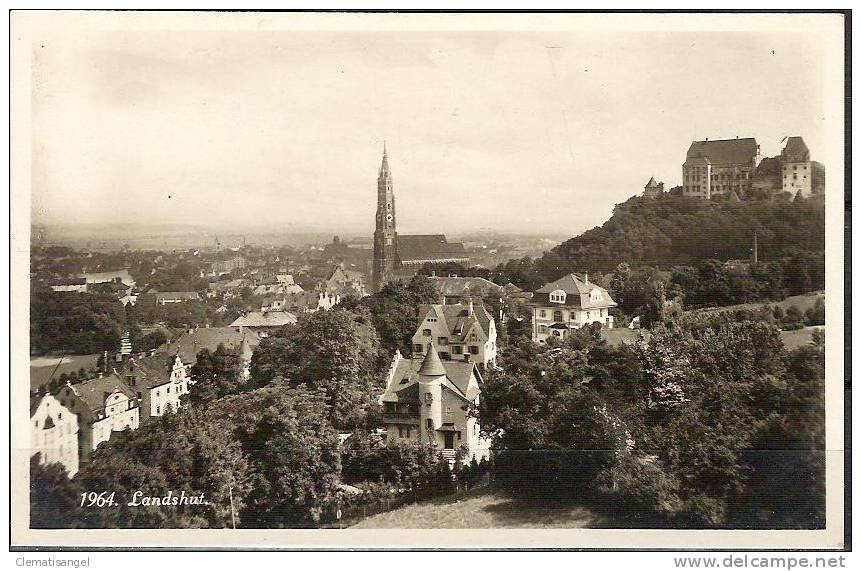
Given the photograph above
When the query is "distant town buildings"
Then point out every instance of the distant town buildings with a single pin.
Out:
(402, 256)
(54, 433)
(165, 297)
(567, 304)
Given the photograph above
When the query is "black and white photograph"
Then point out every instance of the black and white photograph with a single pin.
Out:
(428, 280)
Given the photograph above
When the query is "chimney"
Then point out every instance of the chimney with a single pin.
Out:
(586, 277)
(471, 308)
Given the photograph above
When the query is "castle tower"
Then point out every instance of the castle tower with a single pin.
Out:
(431, 375)
(385, 234)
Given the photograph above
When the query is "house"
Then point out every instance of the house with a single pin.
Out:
(569, 303)
(343, 282)
(78, 285)
(101, 277)
(193, 341)
(54, 433)
(159, 382)
(463, 332)
(263, 322)
(104, 405)
(165, 297)
(720, 167)
(432, 401)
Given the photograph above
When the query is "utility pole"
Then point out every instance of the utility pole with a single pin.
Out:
(232, 511)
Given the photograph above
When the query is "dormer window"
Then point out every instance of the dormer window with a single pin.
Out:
(558, 296)
(595, 295)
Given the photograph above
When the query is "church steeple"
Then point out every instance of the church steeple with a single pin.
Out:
(385, 234)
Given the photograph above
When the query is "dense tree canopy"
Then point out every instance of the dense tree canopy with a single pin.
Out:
(335, 351)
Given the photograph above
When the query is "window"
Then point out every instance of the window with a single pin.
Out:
(558, 296)
(448, 411)
(457, 350)
(400, 431)
(473, 349)
(426, 332)
(59, 415)
(428, 398)
(443, 340)
(409, 431)
(557, 315)
(158, 410)
(418, 348)
(168, 390)
(542, 313)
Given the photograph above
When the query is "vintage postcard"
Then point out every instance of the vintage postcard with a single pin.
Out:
(290, 280)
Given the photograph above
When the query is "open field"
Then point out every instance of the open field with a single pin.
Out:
(803, 302)
(486, 508)
(41, 368)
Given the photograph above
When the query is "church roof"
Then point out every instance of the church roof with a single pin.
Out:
(652, 183)
(725, 151)
(432, 365)
(420, 247)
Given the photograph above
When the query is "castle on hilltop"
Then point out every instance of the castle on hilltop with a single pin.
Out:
(734, 167)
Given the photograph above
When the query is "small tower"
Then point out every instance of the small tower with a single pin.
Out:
(431, 375)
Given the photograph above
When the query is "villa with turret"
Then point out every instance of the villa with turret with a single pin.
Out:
(432, 401)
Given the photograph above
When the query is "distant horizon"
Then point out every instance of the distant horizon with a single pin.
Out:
(536, 132)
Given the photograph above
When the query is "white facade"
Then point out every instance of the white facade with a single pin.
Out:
(54, 434)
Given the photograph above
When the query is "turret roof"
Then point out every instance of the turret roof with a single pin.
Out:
(432, 365)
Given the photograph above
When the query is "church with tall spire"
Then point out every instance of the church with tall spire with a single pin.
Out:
(395, 256)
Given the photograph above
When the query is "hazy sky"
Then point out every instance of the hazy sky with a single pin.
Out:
(528, 132)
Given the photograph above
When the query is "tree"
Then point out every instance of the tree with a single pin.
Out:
(54, 499)
(216, 374)
(395, 311)
(293, 450)
(333, 351)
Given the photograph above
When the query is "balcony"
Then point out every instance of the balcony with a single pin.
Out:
(401, 416)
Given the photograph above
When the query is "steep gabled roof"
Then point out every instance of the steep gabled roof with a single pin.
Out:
(193, 342)
(578, 292)
(652, 183)
(404, 387)
(724, 151)
(464, 286)
(149, 372)
(265, 319)
(92, 393)
(796, 149)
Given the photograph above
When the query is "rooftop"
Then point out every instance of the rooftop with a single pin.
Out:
(724, 151)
